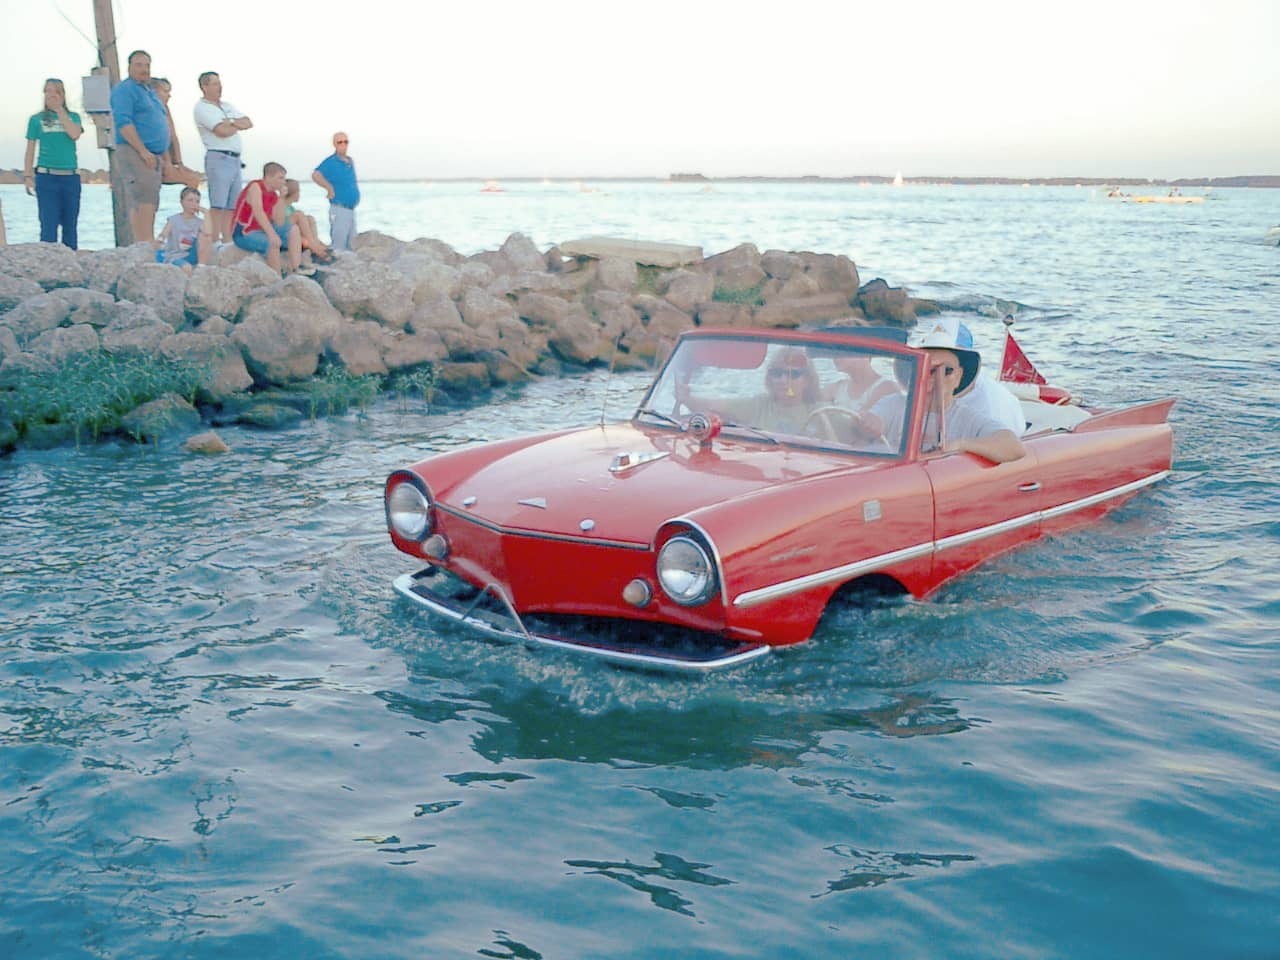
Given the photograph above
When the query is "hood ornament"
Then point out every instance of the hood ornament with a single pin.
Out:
(539, 502)
(631, 459)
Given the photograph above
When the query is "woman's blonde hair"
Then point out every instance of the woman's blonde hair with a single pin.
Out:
(62, 89)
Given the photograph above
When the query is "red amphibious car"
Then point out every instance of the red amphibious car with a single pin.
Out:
(739, 501)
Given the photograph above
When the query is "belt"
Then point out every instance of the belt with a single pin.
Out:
(335, 203)
(227, 152)
(56, 172)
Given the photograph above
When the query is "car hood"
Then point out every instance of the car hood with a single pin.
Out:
(564, 485)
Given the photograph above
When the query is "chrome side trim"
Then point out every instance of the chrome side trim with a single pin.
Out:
(404, 586)
(871, 564)
(823, 577)
(1104, 495)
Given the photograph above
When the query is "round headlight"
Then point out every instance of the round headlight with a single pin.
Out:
(408, 511)
(685, 571)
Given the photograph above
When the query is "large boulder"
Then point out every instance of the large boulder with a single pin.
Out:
(103, 268)
(780, 264)
(618, 274)
(471, 273)
(882, 303)
(804, 310)
(375, 246)
(737, 269)
(522, 254)
(88, 306)
(255, 270)
(13, 290)
(359, 345)
(404, 350)
(370, 291)
(663, 319)
(60, 344)
(684, 289)
(8, 343)
(577, 337)
(135, 329)
(431, 280)
(34, 316)
(484, 313)
(215, 292)
(438, 250)
(160, 286)
(462, 379)
(159, 418)
(495, 260)
(49, 264)
(220, 360)
(281, 340)
(834, 273)
(437, 313)
(716, 314)
(16, 367)
(542, 310)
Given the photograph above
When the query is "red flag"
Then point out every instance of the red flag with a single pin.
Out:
(1015, 367)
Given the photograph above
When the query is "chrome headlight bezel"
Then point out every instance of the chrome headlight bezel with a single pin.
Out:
(408, 509)
(686, 571)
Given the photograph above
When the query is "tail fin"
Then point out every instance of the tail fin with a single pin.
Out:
(1015, 367)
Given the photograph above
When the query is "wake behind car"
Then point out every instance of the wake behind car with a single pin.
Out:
(764, 475)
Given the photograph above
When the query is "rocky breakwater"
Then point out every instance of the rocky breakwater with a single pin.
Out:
(108, 342)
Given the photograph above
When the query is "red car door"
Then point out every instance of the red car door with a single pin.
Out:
(981, 509)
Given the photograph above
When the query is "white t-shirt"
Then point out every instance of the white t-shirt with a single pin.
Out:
(992, 400)
(209, 115)
(963, 423)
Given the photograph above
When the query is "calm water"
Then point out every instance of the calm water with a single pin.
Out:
(221, 734)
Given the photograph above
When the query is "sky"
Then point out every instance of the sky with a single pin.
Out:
(843, 88)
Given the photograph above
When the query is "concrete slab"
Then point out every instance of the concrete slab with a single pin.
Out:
(644, 253)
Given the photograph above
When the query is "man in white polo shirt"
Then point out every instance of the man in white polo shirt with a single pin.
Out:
(220, 124)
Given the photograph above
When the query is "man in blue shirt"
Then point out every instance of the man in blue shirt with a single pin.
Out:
(336, 175)
(142, 139)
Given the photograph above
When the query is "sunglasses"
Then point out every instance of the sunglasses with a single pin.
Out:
(340, 141)
(946, 371)
(795, 373)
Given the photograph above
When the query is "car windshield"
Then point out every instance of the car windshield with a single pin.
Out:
(825, 395)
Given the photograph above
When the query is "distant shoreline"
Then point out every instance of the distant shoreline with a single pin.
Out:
(11, 177)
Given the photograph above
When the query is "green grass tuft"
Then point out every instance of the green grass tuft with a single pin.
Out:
(749, 296)
(93, 391)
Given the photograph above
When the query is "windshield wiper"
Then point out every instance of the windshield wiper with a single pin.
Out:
(648, 411)
(762, 434)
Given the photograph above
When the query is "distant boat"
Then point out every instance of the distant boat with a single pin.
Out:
(1174, 199)
(491, 186)
(1273, 235)
(897, 179)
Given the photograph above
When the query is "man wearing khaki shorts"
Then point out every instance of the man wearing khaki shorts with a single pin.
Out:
(142, 138)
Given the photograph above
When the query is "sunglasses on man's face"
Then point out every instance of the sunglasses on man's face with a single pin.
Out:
(946, 371)
(795, 373)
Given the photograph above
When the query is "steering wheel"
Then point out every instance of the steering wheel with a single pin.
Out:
(823, 416)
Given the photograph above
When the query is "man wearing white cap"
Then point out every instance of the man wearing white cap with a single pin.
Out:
(988, 396)
(969, 429)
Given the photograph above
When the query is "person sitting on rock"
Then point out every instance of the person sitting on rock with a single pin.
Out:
(306, 224)
(259, 221)
(186, 238)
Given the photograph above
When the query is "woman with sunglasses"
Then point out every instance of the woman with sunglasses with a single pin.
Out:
(53, 177)
(791, 392)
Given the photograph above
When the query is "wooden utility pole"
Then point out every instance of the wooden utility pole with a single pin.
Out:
(109, 57)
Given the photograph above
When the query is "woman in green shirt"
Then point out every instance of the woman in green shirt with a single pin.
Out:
(54, 177)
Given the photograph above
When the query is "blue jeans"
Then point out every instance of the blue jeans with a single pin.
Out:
(255, 241)
(58, 202)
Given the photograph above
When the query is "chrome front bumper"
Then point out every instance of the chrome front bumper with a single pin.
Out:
(489, 612)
